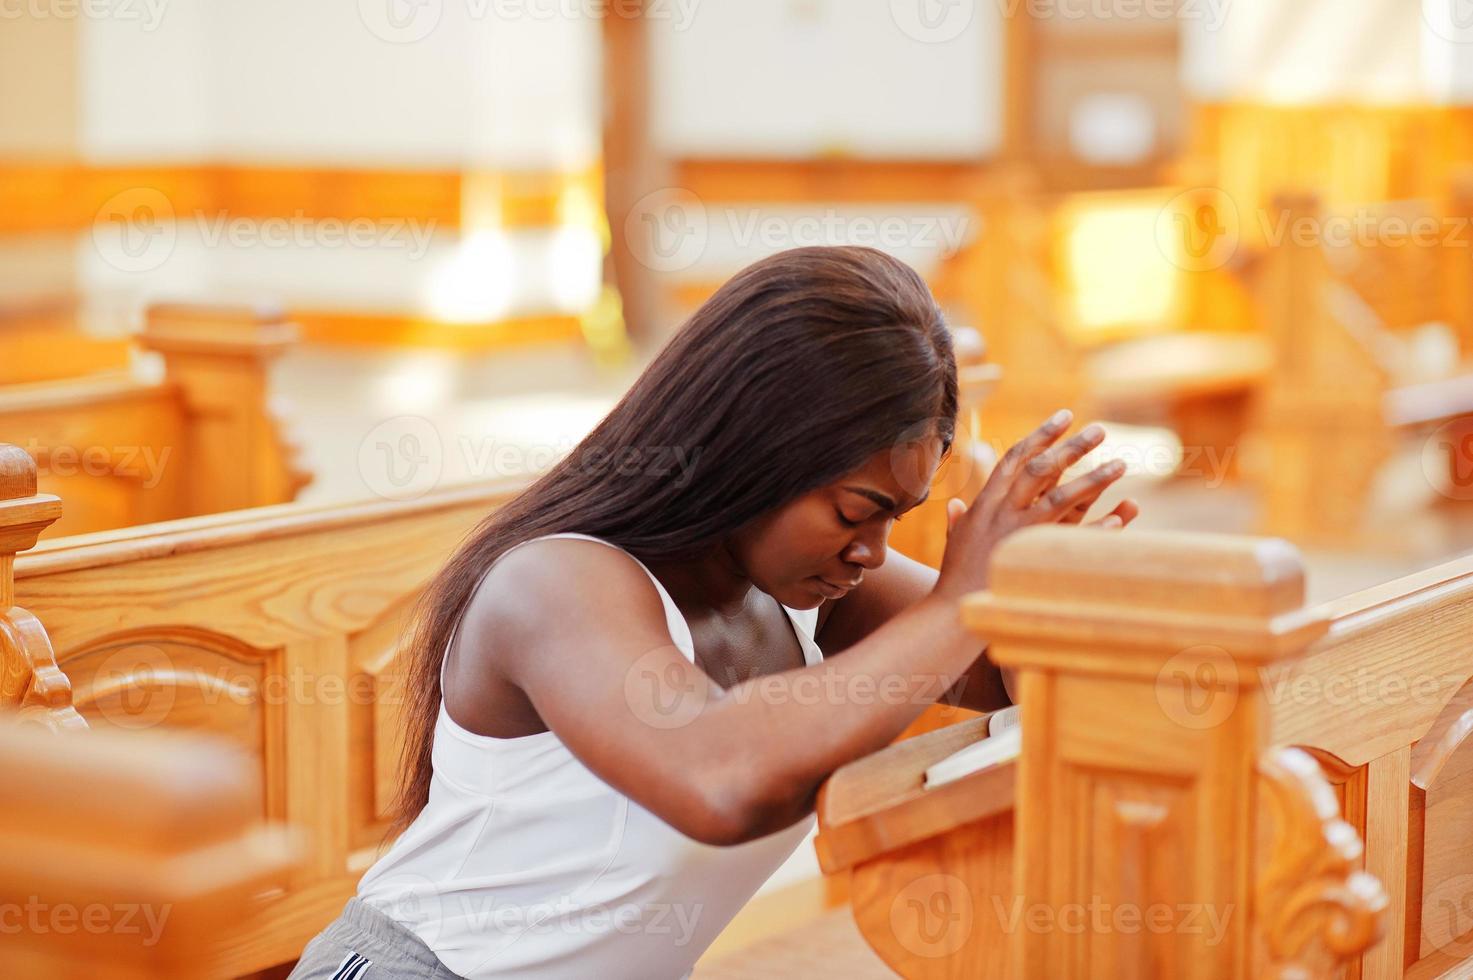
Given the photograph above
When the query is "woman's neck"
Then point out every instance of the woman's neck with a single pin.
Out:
(716, 582)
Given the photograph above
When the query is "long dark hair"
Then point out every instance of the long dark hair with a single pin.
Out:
(795, 372)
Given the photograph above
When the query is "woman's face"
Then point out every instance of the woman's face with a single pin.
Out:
(820, 545)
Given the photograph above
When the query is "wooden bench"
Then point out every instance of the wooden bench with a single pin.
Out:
(1196, 742)
(124, 450)
(42, 339)
(1340, 396)
(275, 629)
(129, 856)
(1191, 361)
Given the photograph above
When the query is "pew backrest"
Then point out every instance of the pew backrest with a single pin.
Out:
(277, 629)
(123, 449)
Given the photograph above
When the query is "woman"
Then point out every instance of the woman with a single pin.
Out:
(628, 684)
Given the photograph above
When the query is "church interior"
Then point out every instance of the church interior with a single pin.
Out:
(292, 295)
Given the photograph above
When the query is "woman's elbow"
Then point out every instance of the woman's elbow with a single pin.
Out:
(737, 810)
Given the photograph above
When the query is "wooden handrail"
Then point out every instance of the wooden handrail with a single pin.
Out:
(191, 534)
(1398, 650)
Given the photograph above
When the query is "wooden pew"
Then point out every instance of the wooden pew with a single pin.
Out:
(42, 339)
(129, 856)
(1341, 395)
(1193, 365)
(276, 629)
(1196, 742)
(205, 439)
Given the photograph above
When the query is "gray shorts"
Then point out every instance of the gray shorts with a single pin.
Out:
(365, 944)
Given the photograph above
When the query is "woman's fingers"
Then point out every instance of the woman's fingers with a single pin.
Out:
(1124, 512)
(1062, 499)
(1015, 460)
(956, 508)
(1080, 510)
(1042, 473)
(1127, 510)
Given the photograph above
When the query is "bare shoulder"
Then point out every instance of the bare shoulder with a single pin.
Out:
(548, 594)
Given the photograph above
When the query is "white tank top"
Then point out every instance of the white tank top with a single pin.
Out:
(525, 864)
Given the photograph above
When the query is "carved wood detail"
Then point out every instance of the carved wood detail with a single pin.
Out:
(1315, 907)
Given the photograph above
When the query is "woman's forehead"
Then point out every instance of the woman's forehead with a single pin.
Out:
(902, 472)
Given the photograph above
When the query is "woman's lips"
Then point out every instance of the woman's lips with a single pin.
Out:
(829, 590)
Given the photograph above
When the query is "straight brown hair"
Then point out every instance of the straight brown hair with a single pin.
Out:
(796, 372)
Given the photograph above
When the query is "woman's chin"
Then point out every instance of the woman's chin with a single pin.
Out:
(801, 596)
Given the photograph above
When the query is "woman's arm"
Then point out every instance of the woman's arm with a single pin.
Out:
(720, 766)
(730, 766)
(887, 592)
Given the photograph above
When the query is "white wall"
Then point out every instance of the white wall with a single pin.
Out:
(316, 83)
(460, 85)
(1304, 51)
(1447, 45)
(794, 78)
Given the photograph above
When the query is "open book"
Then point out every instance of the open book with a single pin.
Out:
(1003, 743)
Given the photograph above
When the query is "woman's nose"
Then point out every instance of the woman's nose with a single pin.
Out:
(868, 550)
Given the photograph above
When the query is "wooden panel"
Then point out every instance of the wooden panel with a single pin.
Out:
(943, 908)
(1446, 895)
(376, 695)
(277, 629)
(191, 680)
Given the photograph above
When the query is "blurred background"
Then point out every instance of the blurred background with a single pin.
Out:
(253, 253)
(438, 238)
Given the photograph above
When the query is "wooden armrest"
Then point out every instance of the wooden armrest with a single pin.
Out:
(1179, 365)
(879, 803)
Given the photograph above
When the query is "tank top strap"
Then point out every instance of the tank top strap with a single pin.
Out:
(679, 629)
(674, 619)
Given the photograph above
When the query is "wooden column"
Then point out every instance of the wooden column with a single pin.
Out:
(633, 168)
(24, 514)
(1140, 659)
(30, 680)
(218, 358)
(1458, 261)
(1012, 298)
(1322, 425)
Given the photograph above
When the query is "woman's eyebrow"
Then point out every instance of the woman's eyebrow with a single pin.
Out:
(881, 500)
